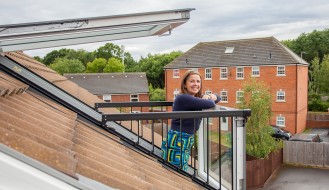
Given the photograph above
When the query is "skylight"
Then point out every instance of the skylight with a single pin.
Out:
(229, 50)
(27, 36)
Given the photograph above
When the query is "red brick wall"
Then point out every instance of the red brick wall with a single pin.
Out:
(288, 109)
(126, 98)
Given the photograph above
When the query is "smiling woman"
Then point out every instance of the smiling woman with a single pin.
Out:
(176, 147)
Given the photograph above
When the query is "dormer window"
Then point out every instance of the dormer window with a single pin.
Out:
(229, 50)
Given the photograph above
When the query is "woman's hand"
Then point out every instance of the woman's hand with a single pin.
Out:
(209, 97)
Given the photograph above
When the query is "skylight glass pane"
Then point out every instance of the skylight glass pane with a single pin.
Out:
(229, 49)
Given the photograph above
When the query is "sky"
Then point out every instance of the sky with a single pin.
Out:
(212, 20)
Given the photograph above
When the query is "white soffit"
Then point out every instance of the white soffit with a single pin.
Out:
(37, 35)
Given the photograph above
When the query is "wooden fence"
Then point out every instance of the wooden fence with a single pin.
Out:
(306, 153)
(260, 170)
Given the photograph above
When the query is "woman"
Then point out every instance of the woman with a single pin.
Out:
(182, 130)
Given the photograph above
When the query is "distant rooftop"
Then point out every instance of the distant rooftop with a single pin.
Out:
(111, 83)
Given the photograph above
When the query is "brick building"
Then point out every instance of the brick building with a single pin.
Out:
(226, 65)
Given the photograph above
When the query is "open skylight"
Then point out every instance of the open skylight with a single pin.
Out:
(28, 36)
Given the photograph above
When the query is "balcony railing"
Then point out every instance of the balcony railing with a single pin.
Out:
(217, 158)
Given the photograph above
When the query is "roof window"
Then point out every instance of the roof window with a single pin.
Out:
(229, 50)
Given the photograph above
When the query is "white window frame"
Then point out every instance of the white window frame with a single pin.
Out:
(107, 97)
(280, 121)
(175, 73)
(280, 70)
(208, 73)
(239, 74)
(224, 95)
(208, 92)
(223, 73)
(255, 71)
(176, 93)
(134, 97)
(281, 96)
(194, 69)
(238, 94)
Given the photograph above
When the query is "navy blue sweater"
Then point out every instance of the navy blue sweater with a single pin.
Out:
(186, 102)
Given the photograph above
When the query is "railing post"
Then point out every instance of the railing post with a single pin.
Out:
(240, 176)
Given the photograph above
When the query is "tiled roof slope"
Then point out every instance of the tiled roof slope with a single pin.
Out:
(111, 83)
(247, 52)
(52, 134)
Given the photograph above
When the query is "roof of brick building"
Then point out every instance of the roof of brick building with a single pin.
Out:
(243, 52)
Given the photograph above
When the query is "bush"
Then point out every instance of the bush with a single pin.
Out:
(318, 105)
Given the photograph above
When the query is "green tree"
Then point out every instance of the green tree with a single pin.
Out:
(38, 58)
(323, 77)
(82, 55)
(257, 97)
(50, 57)
(157, 94)
(97, 66)
(114, 65)
(313, 84)
(64, 65)
(109, 50)
(153, 65)
(315, 44)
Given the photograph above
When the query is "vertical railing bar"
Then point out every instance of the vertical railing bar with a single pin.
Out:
(167, 139)
(233, 136)
(131, 122)
(138, 121)
(207, 156)
(195, 153)
(181, 147)
(153, 135)
(219, 153)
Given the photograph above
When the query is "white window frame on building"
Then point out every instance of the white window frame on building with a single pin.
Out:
(224, 96)
(255, 71)
(107, 97)
(280, 121)
(175, 73)
(176, 93)
(134, 98)
(223, 73)
(280, 70)
(281, 96)
(239, 73)
(208, 92)
(239, 94)
(208, 73)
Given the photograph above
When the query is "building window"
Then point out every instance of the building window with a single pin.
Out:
(176, 73)
(255, 71)
(208, 73)
(223, 73)
(280, 121)
(107, 97)
(176, 93)
(223, 95)
(280, 96)
(239, 95)
(134, 98)
(239, 73)
(207, 92)
(281, 71)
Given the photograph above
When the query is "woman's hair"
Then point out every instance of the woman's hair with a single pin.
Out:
(183, 83)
